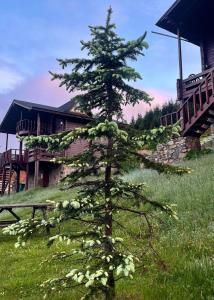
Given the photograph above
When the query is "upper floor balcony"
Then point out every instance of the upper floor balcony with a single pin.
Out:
(29, 127)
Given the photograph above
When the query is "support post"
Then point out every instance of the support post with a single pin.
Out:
(6, 146)
(20, 150)
(180, 81)
(180, 55)
(36, 174)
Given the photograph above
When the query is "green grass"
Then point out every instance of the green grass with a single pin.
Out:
(185, 246)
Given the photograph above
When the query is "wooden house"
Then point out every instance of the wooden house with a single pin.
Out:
(192, 21)
(34, 167)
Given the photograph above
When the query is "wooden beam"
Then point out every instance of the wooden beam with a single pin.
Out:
(170, 36)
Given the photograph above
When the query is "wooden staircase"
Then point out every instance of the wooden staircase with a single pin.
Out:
(6, 183)
(196, 114)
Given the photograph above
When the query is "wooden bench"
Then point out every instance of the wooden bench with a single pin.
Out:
(43, 207)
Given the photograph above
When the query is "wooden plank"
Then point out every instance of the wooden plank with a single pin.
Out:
(24, 205)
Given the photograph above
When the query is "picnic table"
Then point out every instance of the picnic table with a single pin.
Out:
(43, 207)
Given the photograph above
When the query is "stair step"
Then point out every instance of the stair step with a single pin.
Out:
(211, 112)
(210, 120)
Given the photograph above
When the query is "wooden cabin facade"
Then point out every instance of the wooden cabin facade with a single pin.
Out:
(192, 20)
(33, 168)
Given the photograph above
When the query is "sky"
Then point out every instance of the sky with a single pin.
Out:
(35, 33)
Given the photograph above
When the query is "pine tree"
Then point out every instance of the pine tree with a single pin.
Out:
(100, 201)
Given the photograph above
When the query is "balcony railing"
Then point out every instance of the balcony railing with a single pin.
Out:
(42, 155)
(13, 156)
(26, 127)
(29, 127)
(187, 86)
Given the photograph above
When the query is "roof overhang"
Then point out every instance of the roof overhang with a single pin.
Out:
(190, 16)
(29, 110)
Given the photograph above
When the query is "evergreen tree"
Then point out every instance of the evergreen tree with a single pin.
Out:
(151, 119)
(99, 203)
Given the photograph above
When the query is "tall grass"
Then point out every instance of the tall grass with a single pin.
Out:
(185, 246)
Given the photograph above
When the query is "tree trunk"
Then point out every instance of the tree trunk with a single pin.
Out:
(110, 293)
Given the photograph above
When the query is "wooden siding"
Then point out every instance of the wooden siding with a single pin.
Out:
(79, 146)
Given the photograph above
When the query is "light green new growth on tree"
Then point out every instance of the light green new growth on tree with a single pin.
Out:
(101, 199)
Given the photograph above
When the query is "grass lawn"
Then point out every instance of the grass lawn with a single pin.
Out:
(186, 246)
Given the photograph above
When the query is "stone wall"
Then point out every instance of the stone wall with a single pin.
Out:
(57, 172)
(175, 150)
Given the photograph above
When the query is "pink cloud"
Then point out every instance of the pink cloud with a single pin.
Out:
(39, 90)
(160, 97)
(43, 90)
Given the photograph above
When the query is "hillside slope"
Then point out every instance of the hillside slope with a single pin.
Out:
(185, 246)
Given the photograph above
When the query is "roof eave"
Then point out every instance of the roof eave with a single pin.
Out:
(166, 14)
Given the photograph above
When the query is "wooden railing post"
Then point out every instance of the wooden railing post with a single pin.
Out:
(212, 79)
(194, 105)
(200, 98)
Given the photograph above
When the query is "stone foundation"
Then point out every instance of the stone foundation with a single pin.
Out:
(175, 150)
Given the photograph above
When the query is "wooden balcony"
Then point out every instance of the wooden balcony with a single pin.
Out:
(29, 127)
(26, 127)
(13, 156)
(42, 155)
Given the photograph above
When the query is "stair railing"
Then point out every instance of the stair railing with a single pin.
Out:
(13, 155)
(190, 108)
